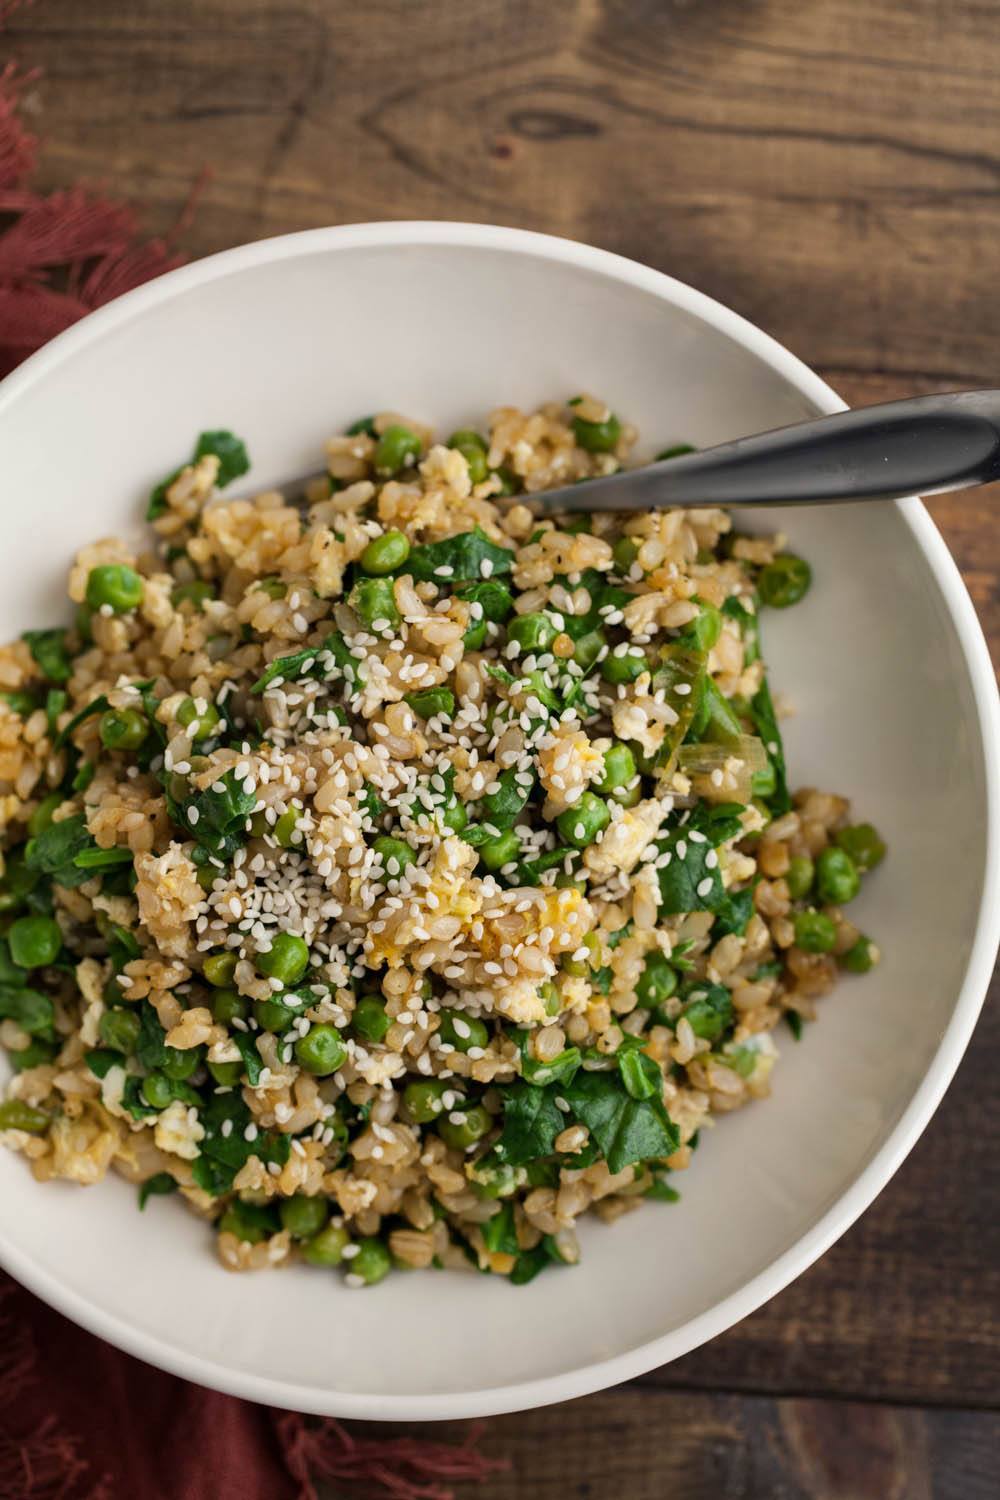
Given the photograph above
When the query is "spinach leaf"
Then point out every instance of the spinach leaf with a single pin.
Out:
(151, 1048)
(733, 913)
(219, 824)
(102, 859)
(503, 807)
(708, 1009)
(48, 647)
(766, 724)
(749, 629)
(560, 1070)
(500, 674)
(101, 1060)
(688, 882)
(463, 555)
(795, 1024)
(247, 1046)
(627, 1130)
(32, 1010)
(498, 1232)
(54, 851)
(10, 972)
(662, 1192)
(530, 871)
(531, 1122)
(494, 597)
(133, 1101)
(308, 663)
(639, 1073)
(233, 461)
(55, 702)
(95, 706)
(222, 1155)
(157, 1186)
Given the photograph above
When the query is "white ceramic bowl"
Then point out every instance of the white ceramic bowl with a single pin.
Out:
(285, 342)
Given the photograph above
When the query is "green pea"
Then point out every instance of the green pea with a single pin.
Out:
(41, 818)
(33, 1055)
(460, 1134)
(226, 1074)
(496, 853)
(837, 879)
(207, 876)
(473, 449)
(219, 968)
(862, 842)
(119, 1029)
(180, 1062)
(275, 1015)
(657, 982)
(287, 958)
(197, 592)
(386, 553)
(453, 813)
(228, 1004)
(625, 551)
(327, 1247)
(619, 768)
(34, 941)
(248, 1222)
(284, 829)
(123, 728)
(705, 629)
(433, 703)
(16, 1115)
(369, 1019)
(534, 632)
(461, 1031)
(579, 968)
(201, 722)
(597, 437)
(423, 1099)
(303, 1216)
(580, 824)
(799, 876)
(815, 932)
(397, 448)
(372, 1262)
(784, 581)
(157, 1090)
(624, 666)
(114, 584)
(861, 957)
(321, 1051)
(396, 856)
(21, 703)
(493, 1179)
(677, 451)
(374, 602)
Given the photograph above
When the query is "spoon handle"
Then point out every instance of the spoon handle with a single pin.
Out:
(920, 446)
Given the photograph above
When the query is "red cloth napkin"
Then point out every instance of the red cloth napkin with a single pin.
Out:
(78, 1419)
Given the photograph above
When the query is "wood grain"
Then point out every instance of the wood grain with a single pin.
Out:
(831, 171)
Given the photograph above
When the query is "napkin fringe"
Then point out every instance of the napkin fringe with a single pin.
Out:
(405, 1468)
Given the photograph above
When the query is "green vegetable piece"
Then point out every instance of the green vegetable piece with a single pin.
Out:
(784, 581)
(677, 451)
(469, 555)
(160, 1185)
(580, 968)
(197, 592)
(433, 703)
(157, 1091)
(580, 824)
(533, 632)
(48, 647)
(625, 551)
(864, 845)
(116, 585)
(230, 450)
(287, 958)
(21, 703)
(766, 725)
(32, 1010)
(374, 602)
(619, 769)
(15, 1114)
(180, 1062)
(274, 588)
(226, 1074)
(709, 1010)
(531, 1122)
(679, 674)
(326, 1248)
(624, 665)
(597, 437)
(41, 818)
(717, 721)
(386, 553)
(119, 1029)
(33, 1055)
(815, 932)
(363, 424)
(398, 448)
(219, 968)
(500, 851)
(303, 1216)
(662, 1192)
(473, 449)
(321, 1051)
(861, 957)
(250, 1222)
(424, 1099)
(837, 878)
(396, 856)
(627, 1130)
(587, 648)
(705, 629)
(372, 1262)
(640, 1074)
(283, 831)
(229, 1003)
(462, 1031)
(462, 1132)
(199, 717)
(34, 941)
(123, 728)
(657, 982)
(278, 1014)
(369, 1019)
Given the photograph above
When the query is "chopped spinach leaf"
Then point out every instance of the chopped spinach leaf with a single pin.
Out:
(662, 1192)
(151, 1048)
(48, 647)
(464, 555)
(733, 913)
(766, 724)
(101, 1060)
(640, 1073)
(219, 824)
(246, 1044)
(498, 1232)
(222, 1156)
(531, 1122)
(32, 1010)
(158, 1186)
(627, 1130)
(233, 461)
(559, 1070)
(95, 706)
(503, 807)
(708, 1009)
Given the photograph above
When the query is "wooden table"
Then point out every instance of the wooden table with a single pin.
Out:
(832, 171)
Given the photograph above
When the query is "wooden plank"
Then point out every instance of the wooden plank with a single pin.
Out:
(654, 1445)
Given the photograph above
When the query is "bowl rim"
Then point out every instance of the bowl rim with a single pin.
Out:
(601, 1374)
